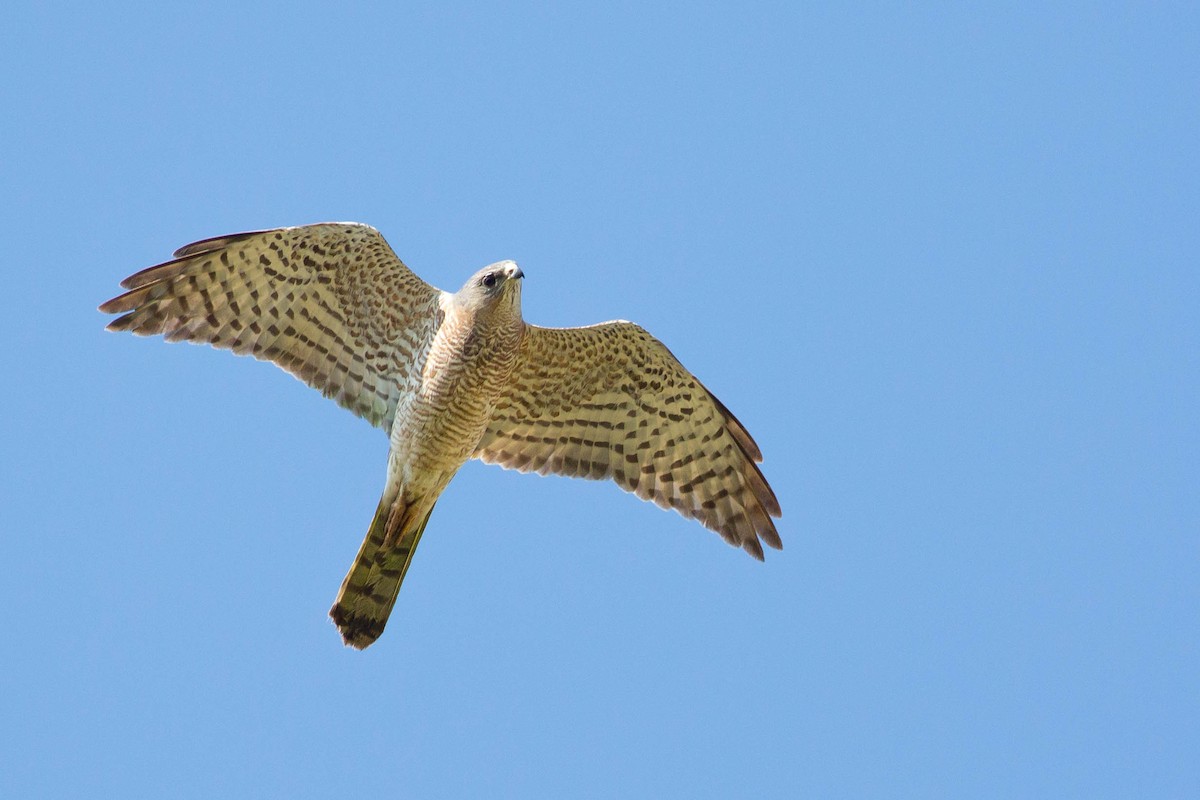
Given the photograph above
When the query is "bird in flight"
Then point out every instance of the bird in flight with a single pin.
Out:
(454, 376)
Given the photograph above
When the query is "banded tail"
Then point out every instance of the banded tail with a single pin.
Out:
(370, 588)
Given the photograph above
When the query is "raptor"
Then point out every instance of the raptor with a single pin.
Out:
(455, 376)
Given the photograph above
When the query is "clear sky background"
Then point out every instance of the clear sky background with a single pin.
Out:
(942, 262)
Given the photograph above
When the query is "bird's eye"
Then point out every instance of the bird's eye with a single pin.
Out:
(489, 280)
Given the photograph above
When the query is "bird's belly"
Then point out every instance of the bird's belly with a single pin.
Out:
(440, 425)
(437, 431)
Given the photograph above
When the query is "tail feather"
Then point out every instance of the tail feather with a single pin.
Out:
(370, 588)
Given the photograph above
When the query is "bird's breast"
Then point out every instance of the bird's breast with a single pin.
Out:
(442, 423)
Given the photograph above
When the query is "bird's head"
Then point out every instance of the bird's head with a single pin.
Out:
(497, 286)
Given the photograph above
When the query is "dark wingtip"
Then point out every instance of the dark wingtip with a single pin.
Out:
(217, 242)
(754, 548)
(120, 324)
(116, 305)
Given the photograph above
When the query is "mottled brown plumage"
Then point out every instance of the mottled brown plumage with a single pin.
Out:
(610, 401)
(453, 377)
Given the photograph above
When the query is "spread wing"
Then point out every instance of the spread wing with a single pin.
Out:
(610, 401)
(329, 303)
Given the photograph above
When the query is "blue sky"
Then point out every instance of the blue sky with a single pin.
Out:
(942, 262)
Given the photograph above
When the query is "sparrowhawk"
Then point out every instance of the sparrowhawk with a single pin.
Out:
(454, 376)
